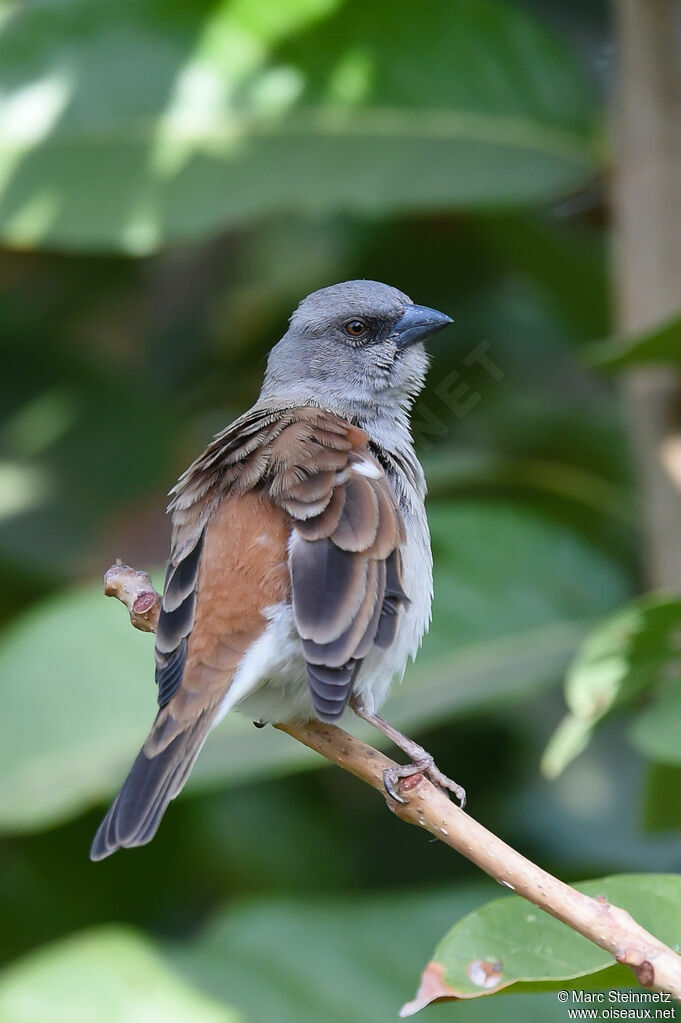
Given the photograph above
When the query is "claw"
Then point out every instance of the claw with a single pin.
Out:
(390, 781)
(392, 776)
(458, 791)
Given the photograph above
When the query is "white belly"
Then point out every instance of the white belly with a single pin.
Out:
(270, 683)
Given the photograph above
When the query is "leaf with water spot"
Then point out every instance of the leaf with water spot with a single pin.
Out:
(511, 944)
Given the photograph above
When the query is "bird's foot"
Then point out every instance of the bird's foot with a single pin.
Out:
(421, 761)
(421, 764)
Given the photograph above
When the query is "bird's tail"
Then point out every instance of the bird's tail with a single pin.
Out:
(157, 776)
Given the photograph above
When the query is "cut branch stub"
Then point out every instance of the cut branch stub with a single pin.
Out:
(134, 589)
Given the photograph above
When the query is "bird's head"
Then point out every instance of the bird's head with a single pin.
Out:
(352, 346)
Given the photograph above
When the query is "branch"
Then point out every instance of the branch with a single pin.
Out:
(611, 928)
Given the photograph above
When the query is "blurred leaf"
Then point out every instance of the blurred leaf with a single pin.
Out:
(460, 469)
(509, 942)
(660, 345)
(571, 737)
(634, 649)
(588, 820)
(22, 488)
(125, 126)
(71, 673)
(109, 975)
(305, 960)
(662, 810)
(80, 451)
(656, 732)
(563, 260)
(79, 682)
(513, 595)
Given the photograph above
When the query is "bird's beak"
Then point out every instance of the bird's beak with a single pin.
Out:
(417, 323)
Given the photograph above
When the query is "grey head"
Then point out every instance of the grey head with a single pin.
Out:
(355, 348)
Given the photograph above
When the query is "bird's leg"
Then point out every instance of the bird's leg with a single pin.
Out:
(421, 761)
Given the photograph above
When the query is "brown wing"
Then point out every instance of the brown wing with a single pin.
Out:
(216, 588)
(241, 569)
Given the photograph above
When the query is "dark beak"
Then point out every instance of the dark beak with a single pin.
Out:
(418, 323)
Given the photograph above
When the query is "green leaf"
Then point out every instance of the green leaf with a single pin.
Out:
(126, 126)
(110, 975)
(656, 732)
(513, 596)
(510, 942)
(79, 682)
(662, 811)
(450, 470)
(662, 344)
(303, 960)
(633, 650)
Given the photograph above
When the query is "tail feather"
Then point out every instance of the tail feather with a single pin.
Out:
(135, 814)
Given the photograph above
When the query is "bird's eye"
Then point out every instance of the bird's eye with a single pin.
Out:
(355, 328)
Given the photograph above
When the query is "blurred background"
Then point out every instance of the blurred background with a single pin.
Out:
(174, 177)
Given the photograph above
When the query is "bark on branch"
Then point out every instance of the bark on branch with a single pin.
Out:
(654, 964)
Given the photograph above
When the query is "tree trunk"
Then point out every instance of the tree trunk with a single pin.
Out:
(647, 258)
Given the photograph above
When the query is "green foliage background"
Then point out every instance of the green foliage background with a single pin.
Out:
(173, 179)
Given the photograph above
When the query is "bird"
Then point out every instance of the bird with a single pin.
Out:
(300, 580)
